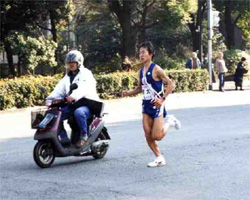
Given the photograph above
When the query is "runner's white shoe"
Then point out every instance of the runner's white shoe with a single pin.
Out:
(173, 121)
(159, 161)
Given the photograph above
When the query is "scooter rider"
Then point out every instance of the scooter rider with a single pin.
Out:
(75, 73)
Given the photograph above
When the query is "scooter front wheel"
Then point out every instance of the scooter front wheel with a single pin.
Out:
(44, 154)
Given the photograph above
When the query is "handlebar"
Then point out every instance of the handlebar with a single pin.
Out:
(56, 103)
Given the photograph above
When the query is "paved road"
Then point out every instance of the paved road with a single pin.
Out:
(207, 159)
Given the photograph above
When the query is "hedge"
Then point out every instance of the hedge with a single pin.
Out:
(111, 85)
(25, 91)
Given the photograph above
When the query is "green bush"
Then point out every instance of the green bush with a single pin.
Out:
(25, 91)
(169, 62)
(111, 85)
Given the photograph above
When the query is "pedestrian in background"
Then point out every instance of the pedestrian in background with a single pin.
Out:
(126, 65)
(221, 68)
(193, 62)
(239, 73)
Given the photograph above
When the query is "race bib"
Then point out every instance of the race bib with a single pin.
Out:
(146, 92)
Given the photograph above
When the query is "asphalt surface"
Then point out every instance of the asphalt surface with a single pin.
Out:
(207, 159)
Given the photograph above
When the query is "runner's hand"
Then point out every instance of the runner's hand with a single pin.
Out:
(158, 102)
(125, 93)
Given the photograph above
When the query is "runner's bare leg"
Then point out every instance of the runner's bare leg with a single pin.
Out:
(147, 126)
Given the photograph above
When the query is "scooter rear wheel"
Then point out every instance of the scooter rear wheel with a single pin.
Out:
(44, 154)
(100, 154)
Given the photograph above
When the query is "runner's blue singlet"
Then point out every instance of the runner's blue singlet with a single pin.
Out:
(149, 87)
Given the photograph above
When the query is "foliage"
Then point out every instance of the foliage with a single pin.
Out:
(25, 91)
(111, 85)
(35, 19)
(218, 43)
(244, 24)
(169, 62)
(182, 9)
(112, 65)
(33, 51)
(238, 13)
(233, 57)
(162, 22)
(98, 34)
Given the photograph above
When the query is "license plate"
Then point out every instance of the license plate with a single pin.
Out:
(48, 118)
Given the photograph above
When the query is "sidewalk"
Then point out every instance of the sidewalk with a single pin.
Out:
(130, 108)
(16, 123)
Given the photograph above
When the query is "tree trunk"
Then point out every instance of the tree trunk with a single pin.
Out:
(195, 35)
(54, 34)
(19, 69)
(129, 33)
(196, 29)
(230, 29)
(7, 47)
(53, 26)
(128, 37)
(201, 5)
(196, 43)
(142, 33)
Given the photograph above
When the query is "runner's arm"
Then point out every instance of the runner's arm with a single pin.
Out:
(166, 80)
(135, 91)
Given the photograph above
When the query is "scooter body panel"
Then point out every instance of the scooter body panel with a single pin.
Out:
(51, 133)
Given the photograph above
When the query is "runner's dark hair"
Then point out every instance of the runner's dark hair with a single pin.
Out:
(149, 46)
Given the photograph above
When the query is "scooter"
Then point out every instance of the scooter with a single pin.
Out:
(48, 125)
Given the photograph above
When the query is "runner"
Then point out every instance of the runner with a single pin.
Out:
(151, 83)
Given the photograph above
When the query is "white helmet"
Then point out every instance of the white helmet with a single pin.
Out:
(74, 56)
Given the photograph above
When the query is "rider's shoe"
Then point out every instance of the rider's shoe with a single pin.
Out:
(81, 142)
(158, 162)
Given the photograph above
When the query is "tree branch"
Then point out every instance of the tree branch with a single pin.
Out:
(139, 10)
(115, 6)
(237, 18)
(152, 24)
(42, 27)
(151, 3)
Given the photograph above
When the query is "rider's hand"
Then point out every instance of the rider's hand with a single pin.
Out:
(158, 102)
(70, 99)
(125, 93)
(48, 102)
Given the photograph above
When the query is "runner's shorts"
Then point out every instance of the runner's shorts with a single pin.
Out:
(151, 110)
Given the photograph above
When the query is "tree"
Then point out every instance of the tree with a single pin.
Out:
(98, 34)
(32, 51)
(32, 17)
(15, 15)
(234, 14)
(102, 35)
(195, 25)
(55, 13)
(124, 11)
